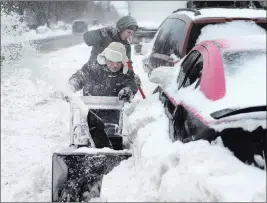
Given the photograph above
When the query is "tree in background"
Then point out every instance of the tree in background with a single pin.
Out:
(38, 13)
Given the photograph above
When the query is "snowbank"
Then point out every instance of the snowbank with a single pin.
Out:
(164, 171)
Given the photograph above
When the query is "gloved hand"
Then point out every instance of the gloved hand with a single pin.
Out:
(125, 94)
(109, 29)
(66, 94)
(137, 80)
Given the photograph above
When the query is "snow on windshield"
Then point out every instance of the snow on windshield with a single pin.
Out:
(230, 30)
(240, 69)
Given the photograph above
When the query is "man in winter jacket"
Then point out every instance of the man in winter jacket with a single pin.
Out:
(99, 39)
(107, 76)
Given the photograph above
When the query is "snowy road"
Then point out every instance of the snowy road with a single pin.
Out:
(57, 43)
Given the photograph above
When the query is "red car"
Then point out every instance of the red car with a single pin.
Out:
(179, 32)
(219, 90)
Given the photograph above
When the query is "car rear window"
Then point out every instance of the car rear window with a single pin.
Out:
(234, 62)
(244, 71)
(245, 78)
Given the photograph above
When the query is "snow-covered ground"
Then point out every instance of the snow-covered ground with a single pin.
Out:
(33, 35)
(35, 124)
(11, 36)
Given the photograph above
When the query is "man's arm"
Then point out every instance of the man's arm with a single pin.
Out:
(93, 37)
(96, 37)
(78, 79)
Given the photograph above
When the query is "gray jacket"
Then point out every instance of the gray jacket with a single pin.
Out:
(97, 80)
(101, 38)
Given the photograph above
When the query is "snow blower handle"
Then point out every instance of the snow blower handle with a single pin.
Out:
(129, 64)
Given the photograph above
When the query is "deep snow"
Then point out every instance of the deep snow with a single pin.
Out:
(35, 123)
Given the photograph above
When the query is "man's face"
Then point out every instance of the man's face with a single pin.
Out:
(126, 34)
(113, 66)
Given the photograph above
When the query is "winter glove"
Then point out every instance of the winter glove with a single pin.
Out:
(109, 29)
(125, 94)
(137, 80)
(66, 94)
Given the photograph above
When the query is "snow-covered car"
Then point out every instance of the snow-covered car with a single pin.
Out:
(59, 26)
(79, 27)
(42, 29)
(219, 90)
(180, 31)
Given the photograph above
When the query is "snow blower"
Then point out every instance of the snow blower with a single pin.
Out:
(94, 151)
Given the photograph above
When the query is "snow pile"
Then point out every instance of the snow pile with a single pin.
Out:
(164, 171)
(35, 124)
(230, 30)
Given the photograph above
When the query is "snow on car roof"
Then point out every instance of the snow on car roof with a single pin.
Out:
(227, 12)
(233, 29)
(250, 42)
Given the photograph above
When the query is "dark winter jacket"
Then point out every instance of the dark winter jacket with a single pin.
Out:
(101, 38)
(97, 80)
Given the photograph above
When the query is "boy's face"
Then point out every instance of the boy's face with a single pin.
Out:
(126, 34)
(113, 66)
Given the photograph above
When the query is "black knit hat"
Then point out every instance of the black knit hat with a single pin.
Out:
(126, 22)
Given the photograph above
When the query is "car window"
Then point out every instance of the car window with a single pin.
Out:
(194, 73)
(170, 35)
(186, 66)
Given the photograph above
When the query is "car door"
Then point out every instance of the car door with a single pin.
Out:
(170, 35)
(183, 122)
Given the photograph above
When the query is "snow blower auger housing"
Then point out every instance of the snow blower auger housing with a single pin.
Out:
(77, 172)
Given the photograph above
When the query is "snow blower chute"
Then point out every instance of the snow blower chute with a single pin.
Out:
(78, 171)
